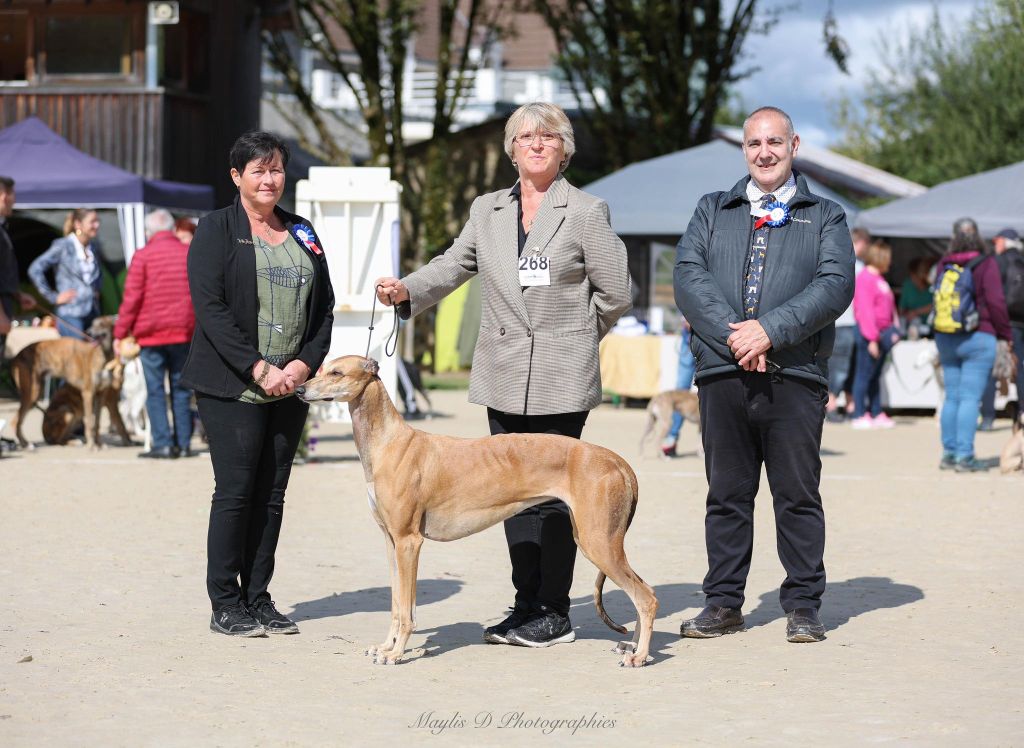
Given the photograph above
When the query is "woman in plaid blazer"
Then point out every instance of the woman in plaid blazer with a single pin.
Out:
(553, 282)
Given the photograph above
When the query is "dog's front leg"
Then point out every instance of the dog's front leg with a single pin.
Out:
(91, 413)
(389, 641)
(407, 556)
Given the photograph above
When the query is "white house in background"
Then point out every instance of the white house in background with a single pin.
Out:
(513, 71)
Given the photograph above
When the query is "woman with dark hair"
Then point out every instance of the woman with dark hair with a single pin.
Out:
(263, 303)
(77, 275)
(967, 357)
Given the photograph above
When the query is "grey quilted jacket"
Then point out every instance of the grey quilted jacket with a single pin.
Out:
(808, 280)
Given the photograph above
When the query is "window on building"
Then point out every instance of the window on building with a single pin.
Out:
(13, 45)
(88, 45)
(185, 53)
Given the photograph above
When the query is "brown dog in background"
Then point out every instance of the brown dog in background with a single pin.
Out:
(1012, 457)
(82, 365)
(659, 416)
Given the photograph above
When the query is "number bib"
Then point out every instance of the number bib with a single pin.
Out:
(534, 271)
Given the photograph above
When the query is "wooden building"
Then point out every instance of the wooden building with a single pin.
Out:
(159, 88)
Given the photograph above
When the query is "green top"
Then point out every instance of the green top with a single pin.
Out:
(283, 278)
(912, 297)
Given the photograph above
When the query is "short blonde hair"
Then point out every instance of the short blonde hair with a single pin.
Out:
(542, 115)
(877, 253)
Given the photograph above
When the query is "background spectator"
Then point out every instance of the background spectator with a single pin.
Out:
(157, 310)
(875, 309)
(916, 298)
(185, 229)
(840, 365)
(74, 261)
(967, 357)
(684, 380)
(9, 279)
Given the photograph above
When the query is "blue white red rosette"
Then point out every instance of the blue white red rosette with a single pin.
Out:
(776, 214)
(305, 235)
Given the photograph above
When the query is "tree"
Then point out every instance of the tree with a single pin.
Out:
(944, 104)
(650, 75)
(380, 34)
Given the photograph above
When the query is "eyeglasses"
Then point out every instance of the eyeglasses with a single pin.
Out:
(526, 139)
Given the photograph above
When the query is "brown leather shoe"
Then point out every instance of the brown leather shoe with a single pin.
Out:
(803, 625)
(713, 621)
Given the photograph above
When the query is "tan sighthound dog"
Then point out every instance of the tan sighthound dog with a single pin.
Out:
(659, 416)
(444, 488)
(82, 365)
(1012, 457)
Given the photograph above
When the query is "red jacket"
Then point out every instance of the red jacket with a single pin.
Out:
(157, 308)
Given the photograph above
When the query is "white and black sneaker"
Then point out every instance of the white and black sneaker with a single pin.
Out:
(273, 620)
(542, 630)
(498, 633)
(235, 620)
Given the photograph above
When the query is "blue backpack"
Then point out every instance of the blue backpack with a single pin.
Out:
(953, 297)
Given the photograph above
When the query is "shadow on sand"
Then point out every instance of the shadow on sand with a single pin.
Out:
(843, 601)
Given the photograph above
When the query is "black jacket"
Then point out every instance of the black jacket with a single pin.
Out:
(808, 280)
(222, 281)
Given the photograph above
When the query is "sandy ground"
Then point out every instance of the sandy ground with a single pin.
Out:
(102, 579)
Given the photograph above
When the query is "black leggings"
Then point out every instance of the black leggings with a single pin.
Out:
(540, 542)
(251, 447)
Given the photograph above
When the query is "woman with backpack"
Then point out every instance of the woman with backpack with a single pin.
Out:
(970, 314)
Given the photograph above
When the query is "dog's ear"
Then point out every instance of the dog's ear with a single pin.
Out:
(371, 366)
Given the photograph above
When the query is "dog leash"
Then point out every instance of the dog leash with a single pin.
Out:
(394, 329)
(49, 310)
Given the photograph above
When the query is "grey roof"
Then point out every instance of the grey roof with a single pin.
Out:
(657, 197)
(994, 199)
(839, 170)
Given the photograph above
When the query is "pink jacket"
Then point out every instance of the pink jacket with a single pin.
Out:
(874, 305)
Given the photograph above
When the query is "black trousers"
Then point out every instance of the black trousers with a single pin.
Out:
(540, 542)
(251, 447)
(748, 419)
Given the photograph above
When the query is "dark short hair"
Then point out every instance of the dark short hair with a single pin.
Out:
(6, 183)
(966, 237)
(259, 146)
(923, 264)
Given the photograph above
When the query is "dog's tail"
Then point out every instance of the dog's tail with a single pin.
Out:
(630, 477)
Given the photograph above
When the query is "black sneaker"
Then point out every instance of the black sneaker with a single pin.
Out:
(273, 620)
(235, 620)
(803, 625)
(948, 461)
(498, 633)
(713, 621)
(542, 630)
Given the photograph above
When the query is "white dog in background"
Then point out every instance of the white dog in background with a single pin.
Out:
(133, 393)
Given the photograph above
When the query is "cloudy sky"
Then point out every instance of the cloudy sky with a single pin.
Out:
(797, 76)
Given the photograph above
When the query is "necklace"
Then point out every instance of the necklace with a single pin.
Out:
(265, 231)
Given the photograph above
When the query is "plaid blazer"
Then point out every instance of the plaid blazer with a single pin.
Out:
(537, 349)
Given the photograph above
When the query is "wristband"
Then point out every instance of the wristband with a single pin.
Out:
(263, 377)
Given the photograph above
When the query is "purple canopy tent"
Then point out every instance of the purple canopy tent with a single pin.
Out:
(52, 173)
